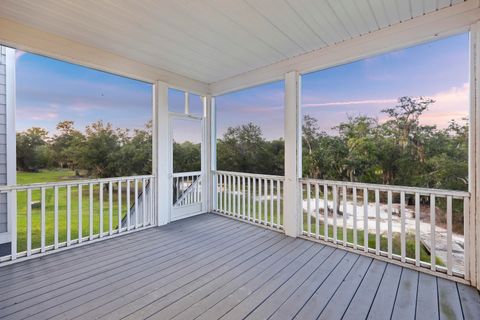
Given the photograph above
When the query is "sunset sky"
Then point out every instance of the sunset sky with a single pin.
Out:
(49, 91)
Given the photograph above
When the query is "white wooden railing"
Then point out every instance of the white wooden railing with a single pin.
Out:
(187, 188)
(252, 197)
(50, 216)
(395, 222)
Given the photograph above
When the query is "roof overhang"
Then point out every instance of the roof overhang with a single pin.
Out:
(439, 23)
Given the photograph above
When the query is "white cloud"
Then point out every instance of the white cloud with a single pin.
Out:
(31, 113)
(449, 104)
(18, 54)
(349, 103)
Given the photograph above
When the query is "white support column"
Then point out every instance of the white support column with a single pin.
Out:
(473, 245)
(11, 160)
(187, 103)
(293, 151)
(213, 151)
(207, 186)
(161, 149)
(209, 161)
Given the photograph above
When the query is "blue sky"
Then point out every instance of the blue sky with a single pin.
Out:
(49, 91)
(438, 69)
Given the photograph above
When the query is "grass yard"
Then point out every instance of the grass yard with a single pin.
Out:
(84, 213)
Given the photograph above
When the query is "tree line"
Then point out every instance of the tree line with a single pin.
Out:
(398, 150)
(101, 150)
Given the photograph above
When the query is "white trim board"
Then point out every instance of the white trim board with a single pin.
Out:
(10, 117)
(11, 140)
(20, 36)
(442, 23)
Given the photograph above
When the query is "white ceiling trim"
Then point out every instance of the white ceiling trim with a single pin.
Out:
(427, 27)
(29, 39)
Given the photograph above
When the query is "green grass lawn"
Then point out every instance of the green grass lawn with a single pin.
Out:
(55, 176)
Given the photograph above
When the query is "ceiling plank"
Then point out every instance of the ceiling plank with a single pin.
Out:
(378, 9)
(364, 10)
(417, 7)
(342, 10)
(425, 28)
(30, 39)
(321, 18)
(391, 9)
(110, 40)
(443, 4)
(404, 10)
(288, 22)
(211, 40)
(242, 15)
(429, 6)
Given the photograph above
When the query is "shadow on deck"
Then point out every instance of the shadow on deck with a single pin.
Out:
(210, 267)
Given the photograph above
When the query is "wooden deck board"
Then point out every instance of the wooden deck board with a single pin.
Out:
(208, 284)
(86, 271)
(427, 296)
(342, 297)
(384, 300)
(406, 300)
(210, 267)
(151, 275)
(101, 281)
(270, 305)
(363, 298)
(196, 302)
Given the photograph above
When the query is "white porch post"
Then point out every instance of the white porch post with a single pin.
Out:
(161, 149)
(11, 159)
(293, 151)
(209, 186)
(472, 243)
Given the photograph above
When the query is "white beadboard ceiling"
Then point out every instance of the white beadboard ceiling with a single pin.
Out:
(212, 40)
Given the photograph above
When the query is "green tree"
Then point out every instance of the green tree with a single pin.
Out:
(243, 149)
(32, 149)
(186, 157)
(101, 146)
(67, 145)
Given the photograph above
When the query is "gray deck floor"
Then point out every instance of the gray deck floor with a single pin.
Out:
(211, 267)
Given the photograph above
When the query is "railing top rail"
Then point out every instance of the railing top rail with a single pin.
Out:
(70, 183)
(251, 175)
(186, 174)
(384, 187)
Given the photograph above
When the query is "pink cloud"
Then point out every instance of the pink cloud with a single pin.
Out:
(451, 104)
(18, 54)
(349, 103)
(35, 113)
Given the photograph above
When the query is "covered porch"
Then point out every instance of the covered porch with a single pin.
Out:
(212, 267)
(213, 244)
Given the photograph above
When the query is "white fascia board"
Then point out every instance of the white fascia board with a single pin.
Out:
(26, 38)
(442, 23)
